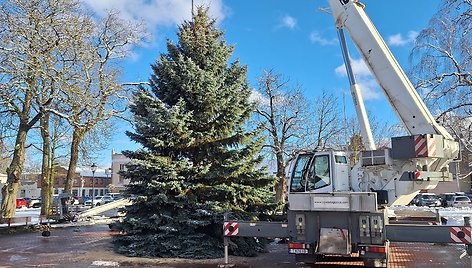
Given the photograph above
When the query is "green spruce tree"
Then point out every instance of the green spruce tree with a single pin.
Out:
(198, 159)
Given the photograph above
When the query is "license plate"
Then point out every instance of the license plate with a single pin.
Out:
(297, 251)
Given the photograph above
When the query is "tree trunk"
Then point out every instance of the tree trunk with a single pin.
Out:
(45, 168)
(281, 185)
(10, 189)
(74, 157)
(52, 179)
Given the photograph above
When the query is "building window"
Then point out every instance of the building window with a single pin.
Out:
(75, 181)
(122, 167)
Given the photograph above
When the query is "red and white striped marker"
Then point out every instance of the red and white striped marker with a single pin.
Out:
(460, 235)
(231, 228)
(417, 175)
(425, 146)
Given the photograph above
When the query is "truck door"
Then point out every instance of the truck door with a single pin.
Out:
(319, 175)
(297, 177)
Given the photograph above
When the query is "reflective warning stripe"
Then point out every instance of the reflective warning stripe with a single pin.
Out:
(425, 146)
(231, 228)
(461, 235)
(420, 146)
(431, 147)
(417, 175)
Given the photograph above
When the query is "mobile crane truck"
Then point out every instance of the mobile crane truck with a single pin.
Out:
(335, 210)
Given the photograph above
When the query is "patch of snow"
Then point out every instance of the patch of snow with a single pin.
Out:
(454, 216)
(18, 258)
(106, 263)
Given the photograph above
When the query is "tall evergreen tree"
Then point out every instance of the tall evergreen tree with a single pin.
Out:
(198, 158)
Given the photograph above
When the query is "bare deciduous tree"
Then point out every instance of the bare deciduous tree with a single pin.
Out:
(442, 59)
(283, 111)
(327, 121)
(31, 39)
(57, 59)
(96, 96)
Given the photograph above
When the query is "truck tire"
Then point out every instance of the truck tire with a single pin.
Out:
(309, 259)
(375, 262)
(46, 233)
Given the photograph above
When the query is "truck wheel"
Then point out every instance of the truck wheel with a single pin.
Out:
(46, 233)
(375, 263)
(308, 259)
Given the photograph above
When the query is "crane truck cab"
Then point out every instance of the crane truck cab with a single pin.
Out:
(320, 172)
(325, 217)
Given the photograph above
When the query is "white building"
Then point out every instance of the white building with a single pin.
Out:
(118, 163)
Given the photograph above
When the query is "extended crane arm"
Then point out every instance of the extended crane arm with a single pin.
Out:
(411, 110)
(356, 93)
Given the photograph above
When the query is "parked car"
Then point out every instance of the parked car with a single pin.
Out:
(85, 199)
(75, 201)
(99, 200)
(95, 199)
(469, 196)
(460, 201)
(35, 203)
(115, 196)
(108, 199)
(427, 199)
(21, 203)
(446, 198)
(28, 200)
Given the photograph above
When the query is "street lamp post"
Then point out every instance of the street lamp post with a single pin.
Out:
(93, 168)
(81, 194)
(107, 172)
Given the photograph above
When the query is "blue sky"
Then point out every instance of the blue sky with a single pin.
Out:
(294, 38)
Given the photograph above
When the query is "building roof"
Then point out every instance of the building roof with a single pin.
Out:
(86, 172)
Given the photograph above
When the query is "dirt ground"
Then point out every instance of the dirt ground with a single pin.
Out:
(90, 246)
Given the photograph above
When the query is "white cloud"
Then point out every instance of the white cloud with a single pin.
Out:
(258, 98)
(397, 40)
(156, 13)
(358, 66)
(289, 22)
(364, 78)
(316, 38)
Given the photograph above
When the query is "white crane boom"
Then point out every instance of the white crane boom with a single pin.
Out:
(411, 110)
